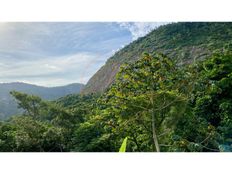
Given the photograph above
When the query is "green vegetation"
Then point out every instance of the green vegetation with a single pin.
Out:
(123, 146)
(156, 104)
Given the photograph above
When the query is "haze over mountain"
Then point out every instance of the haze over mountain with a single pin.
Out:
(8, 106)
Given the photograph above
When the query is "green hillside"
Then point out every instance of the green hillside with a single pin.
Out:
(186, 42)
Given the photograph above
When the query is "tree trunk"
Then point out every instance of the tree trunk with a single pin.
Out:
(155, 138)
(154, 135)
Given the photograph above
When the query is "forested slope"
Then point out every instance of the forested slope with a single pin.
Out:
(184, 42)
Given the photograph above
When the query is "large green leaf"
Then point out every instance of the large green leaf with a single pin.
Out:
(123, 146)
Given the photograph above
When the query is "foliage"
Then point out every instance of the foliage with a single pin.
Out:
(123, 146)
(44, 126)
(215, 103)
(150, 95)
(155, 103)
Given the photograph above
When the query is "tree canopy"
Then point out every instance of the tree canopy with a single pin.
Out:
(156, 103)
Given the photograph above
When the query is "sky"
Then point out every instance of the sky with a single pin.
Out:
(61, 53)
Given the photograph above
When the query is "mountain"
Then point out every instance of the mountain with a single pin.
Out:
(185, 42)
(8, 106)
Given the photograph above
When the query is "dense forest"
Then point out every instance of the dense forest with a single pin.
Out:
(157, 102)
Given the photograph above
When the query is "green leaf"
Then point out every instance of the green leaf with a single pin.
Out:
(123, 146)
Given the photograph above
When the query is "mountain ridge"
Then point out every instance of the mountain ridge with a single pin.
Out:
(184, 41)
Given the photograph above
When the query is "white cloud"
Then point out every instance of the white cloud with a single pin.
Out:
(52, 54)
(56, 53)
(139, 29)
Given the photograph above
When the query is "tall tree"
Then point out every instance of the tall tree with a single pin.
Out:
(149, 91)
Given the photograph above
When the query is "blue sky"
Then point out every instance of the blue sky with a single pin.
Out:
(55, 54)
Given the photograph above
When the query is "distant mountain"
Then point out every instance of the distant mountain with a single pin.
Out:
(185, 42)
(8, 105)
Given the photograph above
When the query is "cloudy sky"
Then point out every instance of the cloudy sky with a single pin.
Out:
(55, 54)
